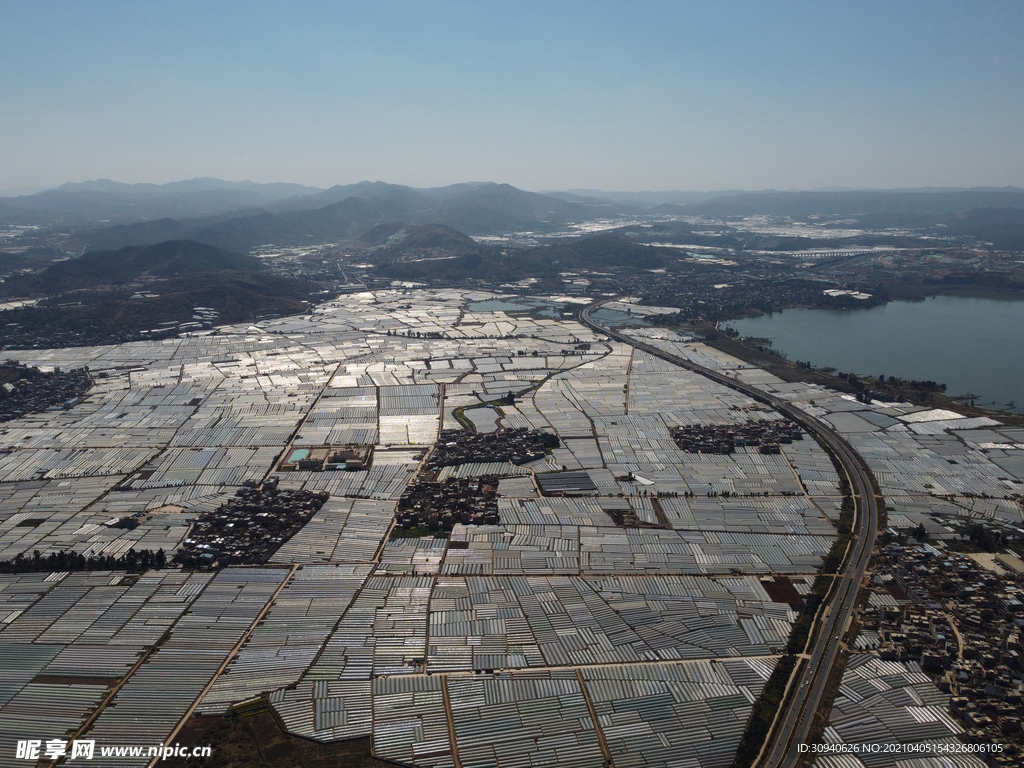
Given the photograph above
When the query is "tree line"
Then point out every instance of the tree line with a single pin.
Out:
(55, 562)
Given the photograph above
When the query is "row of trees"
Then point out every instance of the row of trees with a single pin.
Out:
(55, 562)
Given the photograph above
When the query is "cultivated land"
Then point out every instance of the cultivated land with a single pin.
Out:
(633, 616)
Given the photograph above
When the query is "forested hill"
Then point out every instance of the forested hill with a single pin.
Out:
(167, 259)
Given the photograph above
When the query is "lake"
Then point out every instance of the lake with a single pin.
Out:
(970, 343)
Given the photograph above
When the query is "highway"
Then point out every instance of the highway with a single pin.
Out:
(795, 723)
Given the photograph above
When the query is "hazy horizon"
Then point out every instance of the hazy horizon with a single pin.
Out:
(28, 191)
(662, 96)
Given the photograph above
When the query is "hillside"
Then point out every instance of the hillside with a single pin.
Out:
(11, 261)
(381, 233)
(427, 237)
(345, 220)
(1003, 227)
(168, 259)
(146, 233)
(498, 208)
(339, 221)
(612, 251)
(112, 316)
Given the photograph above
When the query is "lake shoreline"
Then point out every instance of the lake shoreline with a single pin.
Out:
(789, 371)
(962, 340)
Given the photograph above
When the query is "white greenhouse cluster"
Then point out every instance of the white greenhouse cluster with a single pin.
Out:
(553, 637)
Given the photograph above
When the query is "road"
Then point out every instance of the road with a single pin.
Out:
(811, 681)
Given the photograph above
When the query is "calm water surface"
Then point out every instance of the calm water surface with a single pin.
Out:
(521, 304)
(970, 344)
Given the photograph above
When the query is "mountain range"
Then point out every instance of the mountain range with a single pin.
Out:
(107, 215)
(104, 201)
(475, 209)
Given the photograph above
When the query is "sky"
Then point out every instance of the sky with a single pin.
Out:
(542, 95)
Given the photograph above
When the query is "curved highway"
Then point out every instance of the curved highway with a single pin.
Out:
(794, 724)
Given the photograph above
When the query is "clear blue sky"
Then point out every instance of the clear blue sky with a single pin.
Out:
(545, 95)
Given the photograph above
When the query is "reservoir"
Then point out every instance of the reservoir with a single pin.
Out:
(972, 344)
(519, 304)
